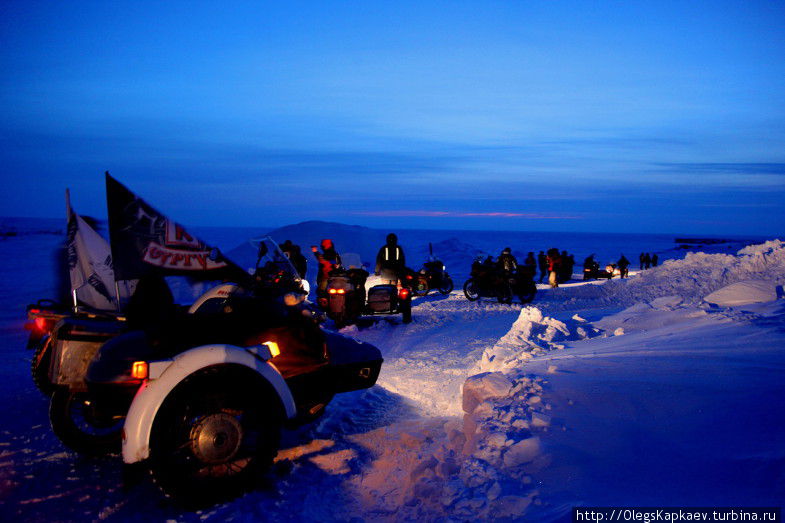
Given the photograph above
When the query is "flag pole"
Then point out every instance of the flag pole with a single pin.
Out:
(68, 217)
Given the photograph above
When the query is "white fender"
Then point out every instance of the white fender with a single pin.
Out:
(151, 395)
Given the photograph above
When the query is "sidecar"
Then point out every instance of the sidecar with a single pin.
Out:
(206, 420)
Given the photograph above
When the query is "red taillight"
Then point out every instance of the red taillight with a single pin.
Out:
(337, 291)
(408, 276)
(341, 291)
(332, 291)
(35, 311)
(403, 293)
(40, 324)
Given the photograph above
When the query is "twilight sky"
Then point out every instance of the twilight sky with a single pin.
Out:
(630, 116)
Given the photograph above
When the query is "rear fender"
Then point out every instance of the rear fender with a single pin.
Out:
(166, 375)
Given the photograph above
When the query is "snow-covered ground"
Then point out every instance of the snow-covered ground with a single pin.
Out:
(664, 389)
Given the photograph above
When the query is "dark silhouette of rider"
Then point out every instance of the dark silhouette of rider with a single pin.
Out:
(390, 261)
(507, 262)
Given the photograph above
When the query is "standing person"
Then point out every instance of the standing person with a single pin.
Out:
(589, 267)
(542, 262)
(654, 259)
(507, 262)
(641, 259)
(390, 261)
(295, 256)
(328, 259)
(623, 264)
(530, 266)
(554, 266)
(646, 260)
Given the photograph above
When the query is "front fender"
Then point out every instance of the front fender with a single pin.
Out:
(151, 395)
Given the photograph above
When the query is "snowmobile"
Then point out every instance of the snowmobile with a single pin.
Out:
(345, 298)
(433, 275)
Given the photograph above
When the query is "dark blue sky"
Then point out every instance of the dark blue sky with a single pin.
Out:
(634, 116)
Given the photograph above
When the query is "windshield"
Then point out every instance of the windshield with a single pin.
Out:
(351, 260)
(271, 258)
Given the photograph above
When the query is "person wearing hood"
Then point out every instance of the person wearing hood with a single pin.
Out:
(623, 265)
(390, 261)
(328, 259)
(295, 256)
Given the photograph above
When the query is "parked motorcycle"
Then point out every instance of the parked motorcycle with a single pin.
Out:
(433, 275)
(346, 298)
(487, 281)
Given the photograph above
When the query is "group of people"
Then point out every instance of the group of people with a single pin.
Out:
(647, 261)
(556, 266)
(390, 261)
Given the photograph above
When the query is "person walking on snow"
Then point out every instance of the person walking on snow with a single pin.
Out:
(390, 261)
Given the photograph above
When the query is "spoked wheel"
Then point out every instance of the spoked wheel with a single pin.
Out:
(77, 424)
(504, 293)
(212, 436)
(446, 287)
(39, 368)
(470, 290)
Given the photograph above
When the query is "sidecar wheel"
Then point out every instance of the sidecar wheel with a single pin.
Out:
(76, 424)
(446, 287)
(470, 290)
(212, 437)
(39, 367)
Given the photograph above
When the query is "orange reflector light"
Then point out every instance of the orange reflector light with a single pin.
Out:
(403, 294)
(274, 350)
(40, 324)
(139, 370)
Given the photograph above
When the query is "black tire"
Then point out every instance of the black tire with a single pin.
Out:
(504, 293)
(76, 424)
(470, 290)
(39, 367)
(213, 435)
(527, 296)
(406, 312)
(446, 286)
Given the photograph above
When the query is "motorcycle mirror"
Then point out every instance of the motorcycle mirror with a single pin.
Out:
(214, 254)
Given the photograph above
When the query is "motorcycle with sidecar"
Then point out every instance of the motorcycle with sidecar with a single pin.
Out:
(433, 275)
(346, 299)
(199, 397)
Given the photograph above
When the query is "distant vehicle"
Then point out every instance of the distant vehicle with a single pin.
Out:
(433, 275)
(346, 299)
(487, 281)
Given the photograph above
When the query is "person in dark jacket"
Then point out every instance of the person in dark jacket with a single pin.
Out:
(328, 259)
(642, 259)
(390, 261)
(542, 262)
(507, 262)
(295, 256)
(646, 260)
(655, 260)
(623, 265)
(530, 266)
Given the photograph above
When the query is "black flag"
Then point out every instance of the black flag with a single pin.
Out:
(143, 240)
